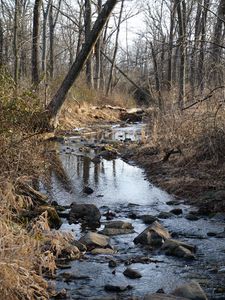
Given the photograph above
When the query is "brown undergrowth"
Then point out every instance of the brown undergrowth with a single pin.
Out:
(184, 153)
(28, 247)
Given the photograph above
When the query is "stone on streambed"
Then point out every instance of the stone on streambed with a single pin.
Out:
(179, 249)
(118, 228)
(80, 246)
(148, 219)
(165, 215)
(177, 211)
(105, 251)
(87, 190)
(191, 217)
(191, 291)
(53, 217)
(154, 235)
(87, 213)
(94, 240)
(131, 273)
(117, 288)
(160, 296)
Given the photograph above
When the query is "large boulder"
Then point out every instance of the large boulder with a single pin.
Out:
(191, 291)
(94, 240)
(85, 213)
(153, 235)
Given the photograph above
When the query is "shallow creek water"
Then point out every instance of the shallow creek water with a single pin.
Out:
(122, 187)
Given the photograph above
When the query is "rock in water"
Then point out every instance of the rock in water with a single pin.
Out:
(162, 297)
(177, 211)
(117, 228)
(153, 235)
(191, 291)
(179, 249)
(131, 273)
(88, 190)
(94, 240)
(87, 213)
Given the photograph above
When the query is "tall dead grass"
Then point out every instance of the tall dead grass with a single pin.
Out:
(198, 132)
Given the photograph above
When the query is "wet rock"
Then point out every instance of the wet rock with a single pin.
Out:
(106, 251)
(172, 202)
(96, 160)
(191, 217)
(160, 296)
(179, 249)
(94, 240)
(53, 217)
(131, 273)
(211, 234)
(108, 154)
(119, 225)
(69, 277)
(139, 260)
(70, 252)
(112, 263)
(116, 231)
(109, 215)
(80, 246)
(148, 219)
(117, 228)
(165, 215)
(191, 291)
(222, 270)
(153, 235)
(60, 295)
(177, 211)
(132, 216)
(87, 213)
(87, 190)
(117, 288)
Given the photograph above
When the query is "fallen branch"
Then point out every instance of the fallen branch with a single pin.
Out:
(206, 98)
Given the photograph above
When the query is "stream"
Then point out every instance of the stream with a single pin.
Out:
(122, 187)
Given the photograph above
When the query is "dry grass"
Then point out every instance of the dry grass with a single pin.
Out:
(199, 132)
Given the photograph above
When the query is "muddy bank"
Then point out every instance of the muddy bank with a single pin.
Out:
(201, 184)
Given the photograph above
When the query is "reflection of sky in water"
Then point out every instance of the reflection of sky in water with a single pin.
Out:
(116, 180)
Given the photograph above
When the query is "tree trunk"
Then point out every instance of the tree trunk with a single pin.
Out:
(170, 50)
(35, 42)
(1, 44)
(57, 101)
(216, 49)
(181, 13)
(109, 86)
(44, 38)
(157, 80)
(98, 54)
(87, 25)
(15, 43)
(202, 45)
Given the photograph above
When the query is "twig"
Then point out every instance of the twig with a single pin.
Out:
(205, 98)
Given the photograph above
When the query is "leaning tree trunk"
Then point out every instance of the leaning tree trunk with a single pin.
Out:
(60, 96)
(35, 44)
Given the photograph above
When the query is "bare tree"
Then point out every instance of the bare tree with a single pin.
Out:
(35, 44)
(57, 101)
